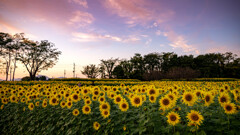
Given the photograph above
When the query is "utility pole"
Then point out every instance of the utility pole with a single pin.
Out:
(64, 73)
(73, 70)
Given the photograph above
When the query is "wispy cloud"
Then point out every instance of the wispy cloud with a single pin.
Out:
(94, 37)
(80, 2)
(179, 42)
(81, 19)
(91, 37)
(136, 12)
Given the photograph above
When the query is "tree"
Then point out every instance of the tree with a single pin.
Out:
(109, 66)
(6, 51)
(91, 71)
(138, 66)
(118, 72)
(38, 56)
(152, 62)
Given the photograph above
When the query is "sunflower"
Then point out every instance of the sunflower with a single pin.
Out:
(195, 117)
(2, 107)
(44, 104)
(96, 92)
(94, 98)
(124, 106)
(87, 102)
(118, 99)
(96, 125)
(75, 97)
(86, 109)
(105, 113)
(75, 112)
(23, 100)
(136, 101)
(152, 99)
(30, 106)
(69, 104)
(152, 91)
(224, 98)
(229, 108)
(63, 104)
(101, 99)
(13, 99)
(208, 98)
(37, 103)
(172, 96)
(104, 106)
(189, 98)
(53, 101)
(173, 118)
(165, 103)
(198, 93)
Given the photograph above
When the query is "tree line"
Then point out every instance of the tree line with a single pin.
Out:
(167, 65)
(34, 55)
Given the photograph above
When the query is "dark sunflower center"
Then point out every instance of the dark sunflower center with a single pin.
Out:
(96, 92)
(101, 99)
(137, 101)
(194, 117)
(188, 97)
(198, 94)
(85, 91)
(104, 106)
(54, 100)
(152, 92)
(96, 125)
(207, 98)
(106, 112)
(124, 105)
(86, 109)
(76, 112)
(223, 99)
(67, 95)
(173, 118)
(152, 98)
(228, 108)
(166, 102)
(75, 97)
(69, 104)
(118, 99)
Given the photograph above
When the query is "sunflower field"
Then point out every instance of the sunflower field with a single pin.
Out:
(158, 107)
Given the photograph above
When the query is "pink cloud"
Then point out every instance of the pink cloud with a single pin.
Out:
(137, 11)
(179, 42)
(81, 19)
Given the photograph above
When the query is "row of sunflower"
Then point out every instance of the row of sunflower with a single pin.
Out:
(165, 107)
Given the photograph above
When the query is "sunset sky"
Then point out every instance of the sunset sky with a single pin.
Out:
(89, 30)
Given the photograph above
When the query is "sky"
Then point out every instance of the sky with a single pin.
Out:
(86, 31)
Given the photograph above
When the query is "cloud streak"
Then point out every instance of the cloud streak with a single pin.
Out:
(81, 19)
(136, 12)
